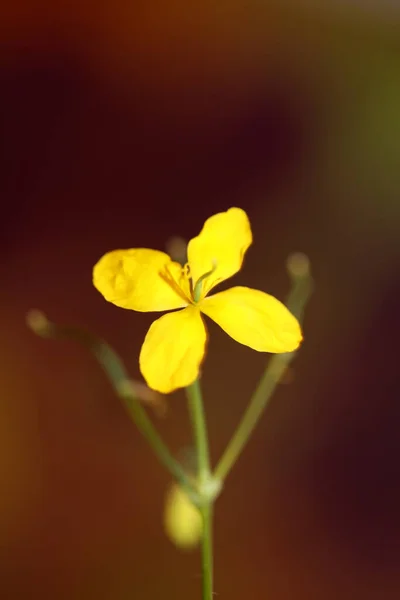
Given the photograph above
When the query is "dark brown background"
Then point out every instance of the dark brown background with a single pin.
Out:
(122, 125)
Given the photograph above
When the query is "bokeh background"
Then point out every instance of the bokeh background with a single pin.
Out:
(123, 124)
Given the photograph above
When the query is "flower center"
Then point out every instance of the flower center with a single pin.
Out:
(182, 282)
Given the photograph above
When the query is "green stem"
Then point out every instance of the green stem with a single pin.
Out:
(301, 289)
(197, 416)
(258, 402)
(207, 550)
(196, 410)
(149, 432)
(122, 385)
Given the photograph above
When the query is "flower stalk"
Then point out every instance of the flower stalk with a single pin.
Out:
(197, 417)
(205, 506)
(123, 386)
(299, 272)
(207, 561)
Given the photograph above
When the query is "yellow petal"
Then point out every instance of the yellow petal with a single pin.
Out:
(254, 319)
(173, 350)
(222, 243)
(140, 279)
(182, 520)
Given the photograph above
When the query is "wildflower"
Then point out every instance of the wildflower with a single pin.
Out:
(148, 280)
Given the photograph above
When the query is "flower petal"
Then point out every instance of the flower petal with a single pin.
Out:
(254, 319)
(222, 243)
(173, 350)
(140, 279)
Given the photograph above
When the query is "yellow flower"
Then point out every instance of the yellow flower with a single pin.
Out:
(148, 280)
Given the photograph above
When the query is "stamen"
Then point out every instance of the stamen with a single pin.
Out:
(170, 279)
(187, 275)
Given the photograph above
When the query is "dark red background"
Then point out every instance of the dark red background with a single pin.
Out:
(125, 125)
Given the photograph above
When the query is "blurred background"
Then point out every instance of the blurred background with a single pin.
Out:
(126, 123)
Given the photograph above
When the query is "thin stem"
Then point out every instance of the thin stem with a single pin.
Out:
(196, 410)
(149, 432)
(197, 416)
(207, 550)
(122, 385)
(258, 402)
(301, 289)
